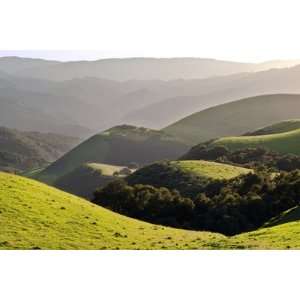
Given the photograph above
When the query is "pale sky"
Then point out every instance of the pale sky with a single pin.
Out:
(238, 30)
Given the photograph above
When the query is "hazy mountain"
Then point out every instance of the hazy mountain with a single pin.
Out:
(83, 106)
(214, 91)
(134, 68)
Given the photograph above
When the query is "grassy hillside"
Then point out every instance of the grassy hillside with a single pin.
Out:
(188, 177)
(286, 142)
(120, 145)
(36, 216)
(236, 118)
(26, 150)
(210, 169)
(280, 127)
(84, 180)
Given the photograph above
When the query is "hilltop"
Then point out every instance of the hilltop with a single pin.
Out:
(20, 151)
(84, 180)
(286, 142)
(121, 145)
(236, 118)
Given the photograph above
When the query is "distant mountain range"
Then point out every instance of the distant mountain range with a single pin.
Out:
(134, 68)
(65, 101)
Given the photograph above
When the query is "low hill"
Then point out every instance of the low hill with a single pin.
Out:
(36, 216)
(280, 127)
(84, 180)
(236, 118)
(286, 142)
(21, 151)
(189, 177)
(120, 145)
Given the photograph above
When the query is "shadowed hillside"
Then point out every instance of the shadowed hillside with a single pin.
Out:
(21, 151)
(84, 180)
(121, 145)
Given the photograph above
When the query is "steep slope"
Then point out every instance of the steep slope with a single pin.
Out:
(36, 216)
(84, 180)
(120, 145)
(236, 118)
(189, 177)
(25, 150)
(280, 127)
(286, 142)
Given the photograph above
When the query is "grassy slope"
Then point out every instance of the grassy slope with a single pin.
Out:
(280, 127)
(236, 118)
(117, 146)
(84, 180)
(36, 215)
(210, 169)
(33, 215)
(286, 142)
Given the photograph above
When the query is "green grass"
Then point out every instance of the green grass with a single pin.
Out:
(286, 142)
(210, 169)
(105, 169)
(34, 215)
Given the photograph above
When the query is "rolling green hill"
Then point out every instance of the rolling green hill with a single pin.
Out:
(189, 177)
(280, 127)
(120, 145)
(84, 180)
(21, 151)
(286, 142)
(236, 118)
(36, 216)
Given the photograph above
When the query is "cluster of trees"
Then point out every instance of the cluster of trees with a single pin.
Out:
(169, 175)
(145, 202)
(230, 207)
(254, 158)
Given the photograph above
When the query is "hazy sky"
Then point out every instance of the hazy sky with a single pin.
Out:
(239, 30)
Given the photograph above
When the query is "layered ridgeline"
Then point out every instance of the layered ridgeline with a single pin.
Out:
(84, 180)
(36, 216)
(133, 68)
(84, 104)
(20, 151)
(121, 145)
(236, 118)
(189, 177)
